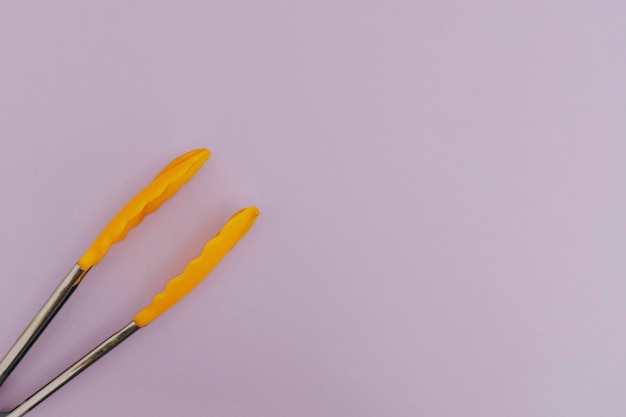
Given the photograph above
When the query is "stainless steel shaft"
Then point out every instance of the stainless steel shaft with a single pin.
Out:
(40, 321)
(82, 364)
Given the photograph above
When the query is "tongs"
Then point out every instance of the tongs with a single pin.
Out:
(164, 186)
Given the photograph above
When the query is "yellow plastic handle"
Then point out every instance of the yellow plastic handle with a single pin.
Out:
(199, 268)
(164, 185)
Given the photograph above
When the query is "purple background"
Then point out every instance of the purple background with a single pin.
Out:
(442, 197)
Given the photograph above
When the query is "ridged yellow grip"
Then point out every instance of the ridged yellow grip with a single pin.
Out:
(164, 185)
(199, 268)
